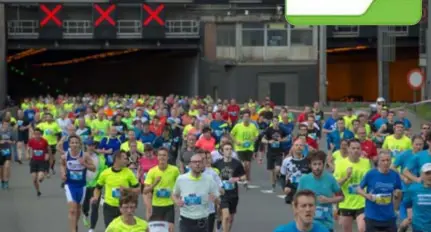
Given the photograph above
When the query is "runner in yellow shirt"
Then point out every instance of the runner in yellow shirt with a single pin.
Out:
(398, 142)
(51, 132)
(99, 126)
(128, 222)
(244, 135)
(349, 173)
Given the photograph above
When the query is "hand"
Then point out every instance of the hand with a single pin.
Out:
(63, 176)
(287, 190)
(370, 197)
(406, 180)
(323, 199)
(212, 198)
(93, 200)
(349, 172)
(271, 141)
(179, 203)
(46, 157)
(81, 161)
(331, 146)
(406, 222)
(234, 179)
(109, 150)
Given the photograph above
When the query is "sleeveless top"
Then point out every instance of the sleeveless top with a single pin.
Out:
(75, 172)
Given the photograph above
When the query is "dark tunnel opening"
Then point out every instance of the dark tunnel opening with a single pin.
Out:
(157, 72)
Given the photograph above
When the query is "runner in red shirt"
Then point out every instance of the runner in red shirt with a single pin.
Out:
(302, 117)
(369, 149)
(233, 111)
(39, 158)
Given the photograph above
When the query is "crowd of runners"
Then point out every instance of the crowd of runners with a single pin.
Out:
(193, 154)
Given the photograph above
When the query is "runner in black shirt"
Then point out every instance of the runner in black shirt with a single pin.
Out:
(231, 171)
(293, 168)
(273, 136)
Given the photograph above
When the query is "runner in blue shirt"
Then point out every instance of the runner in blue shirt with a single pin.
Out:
(381, 184)
(304, 209)
(418, 161)
(325, 186)
(418, 197)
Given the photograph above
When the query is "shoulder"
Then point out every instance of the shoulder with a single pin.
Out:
(173, 168)
(291, 226)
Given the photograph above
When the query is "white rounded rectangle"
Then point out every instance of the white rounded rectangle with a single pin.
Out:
(327, 7)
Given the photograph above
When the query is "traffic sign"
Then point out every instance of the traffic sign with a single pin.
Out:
(415, 79)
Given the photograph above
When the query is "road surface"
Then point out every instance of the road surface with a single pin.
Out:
(22, 211)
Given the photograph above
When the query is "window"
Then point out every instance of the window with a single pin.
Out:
(301, 35)
(276, 34)
(226, 35)
(253, 34)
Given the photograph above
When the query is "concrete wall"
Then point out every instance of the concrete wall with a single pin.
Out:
(242, 82)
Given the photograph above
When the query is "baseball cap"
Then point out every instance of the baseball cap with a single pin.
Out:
(426, 167)
(89, 142)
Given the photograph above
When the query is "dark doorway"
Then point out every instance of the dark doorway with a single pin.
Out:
(277, 92)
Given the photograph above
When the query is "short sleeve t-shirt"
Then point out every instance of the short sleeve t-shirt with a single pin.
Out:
(112, 180)
(291, 227)
(244, 136)
(117, 225)
(381, 186)
(162, 192)
(39, 148)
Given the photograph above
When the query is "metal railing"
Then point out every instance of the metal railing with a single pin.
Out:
(23, 28)
(128, 29)
(83, 29)
(182, 28)
(77, 29)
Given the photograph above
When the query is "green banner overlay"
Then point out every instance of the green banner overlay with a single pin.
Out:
(380, 12)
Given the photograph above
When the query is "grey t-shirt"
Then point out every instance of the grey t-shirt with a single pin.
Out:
(6, 135)
(186, 155)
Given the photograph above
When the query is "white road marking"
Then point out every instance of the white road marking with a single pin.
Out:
(281, 196)
(253, 186)
(267, 191)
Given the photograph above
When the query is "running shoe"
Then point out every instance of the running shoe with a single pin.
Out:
(85, 221)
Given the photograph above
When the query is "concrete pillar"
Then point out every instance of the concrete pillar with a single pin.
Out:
(3, 53)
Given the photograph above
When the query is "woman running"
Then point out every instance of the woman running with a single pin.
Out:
(146, 162)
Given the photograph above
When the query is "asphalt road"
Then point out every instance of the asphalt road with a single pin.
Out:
(22, 211)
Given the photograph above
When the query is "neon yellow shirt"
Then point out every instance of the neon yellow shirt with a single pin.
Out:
(118, 225)
(245, 135)
(125, 146)
(351, 199)
(101, 126)
(397, 146)
(50, 131)
(113, 180)
(162, 191)
(349, 121)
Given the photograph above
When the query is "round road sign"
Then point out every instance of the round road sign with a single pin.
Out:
(415, 79)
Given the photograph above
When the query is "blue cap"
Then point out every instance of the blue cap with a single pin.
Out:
(89, 141)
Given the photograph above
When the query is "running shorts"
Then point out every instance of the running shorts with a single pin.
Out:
(75, 194)
(245, 155)
(38, 166)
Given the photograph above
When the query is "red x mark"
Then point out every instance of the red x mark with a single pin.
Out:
(154, 15)
(104, 14)
(50, 15)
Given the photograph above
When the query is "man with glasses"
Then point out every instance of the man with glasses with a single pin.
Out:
(193, 193)
(425, 128)
(128, 221)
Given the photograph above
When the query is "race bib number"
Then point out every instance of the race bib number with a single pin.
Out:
(246, 144)
(5, 152)
(76, 175)
(352, 188)
(321, 213)
(109, 159)
(186, 169)
(275, 144)
(101, 133)
(167, 145)
(19, 122)
(193, 199)
(116, 193)
(163, 193)
(176, 139)
(227, 185)
(383, 199)
(218, 133)
(158, 226)
(48, 132)
(38, 153)
(119, 128)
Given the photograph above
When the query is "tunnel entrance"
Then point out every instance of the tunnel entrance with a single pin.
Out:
(155, 72)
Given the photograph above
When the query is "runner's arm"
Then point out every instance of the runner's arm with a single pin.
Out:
(88, 163)
(63, 165)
